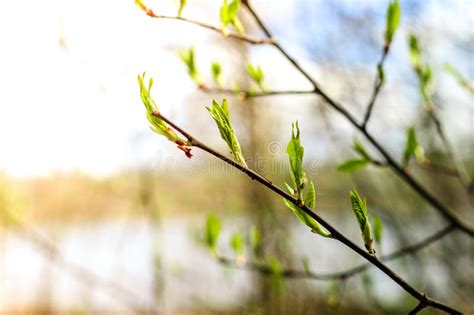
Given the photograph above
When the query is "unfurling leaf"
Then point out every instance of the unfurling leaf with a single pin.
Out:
(237, 243)
(295, 152)
(187, 56)
(157, 124)
(216, 72)
(378, 229)
(229, 15)
(142, 6)
(310, 198)
(352, 165)
(412, 148)
(256, 73)
(306, 219)
(359, 148)
(213, 230)
(392, 22)
(182, 4)
(415, 52)
(359, 207)
(220, 114)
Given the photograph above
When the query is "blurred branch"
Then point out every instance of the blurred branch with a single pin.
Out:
(250, 94)
(421, 306)
(54, 255)
(243, 37)
(379, 80)
(393, 164)
(342, 275)
(335, 234)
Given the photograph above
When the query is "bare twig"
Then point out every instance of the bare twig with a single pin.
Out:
(250, 94)
(334, 232)
(418, 308)
(243, 37)
(414, 184)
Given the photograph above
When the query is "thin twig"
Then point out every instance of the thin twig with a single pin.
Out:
(243, 37)
(334, 232)
(418, 308)
(250, 94)
(377, 86)
(407, 178)
(341, 275)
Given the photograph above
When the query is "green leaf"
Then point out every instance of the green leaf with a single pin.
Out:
(256, 73)
(213, 230)
(415, 52)
(310, 198)
(156, 124)
(412, 148)
(378, 229)
(460, 78)
(229, 15)
(187, 56)
(216, 72)
(255, 241)
(306, 219)
(220, 114)
(290, 189)
(359, 207)
(237, 244)
(352, 165)
(295, 152)
(359, 148)
(393, 20)
(182, 4)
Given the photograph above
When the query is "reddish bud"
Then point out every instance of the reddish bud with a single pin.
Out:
(187, 150)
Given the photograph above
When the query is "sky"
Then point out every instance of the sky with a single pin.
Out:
(68, 92)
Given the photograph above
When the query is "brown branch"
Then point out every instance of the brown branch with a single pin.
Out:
(418, 308)
(377, 87)
(334, 232)
(407, 178)
(243, 37)
(341, 275)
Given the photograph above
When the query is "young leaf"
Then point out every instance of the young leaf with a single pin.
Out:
(415, 52)
(378, 229)
(255, 241)
(182, 4)
(412, 148)
(310, 198)
(229, 15)
(359, 148)
(237, 244)
(460, 78)
(295, 152)
(393, 20)
(216, 72)
(220, 114)
(306, 219)
(359, 207)
(213, 230)
(187, 56)
(352, 165)
(157, 124)
(147, 10)
(256, 73)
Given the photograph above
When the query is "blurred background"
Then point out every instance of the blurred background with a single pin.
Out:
(100, 215)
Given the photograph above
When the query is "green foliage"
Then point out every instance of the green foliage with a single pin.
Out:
(378, 229)
(424, 73)
(352, 165)
(220, 114)
(188, 57)
(359, 148)
(182, 4)
(229, 15)
(415, 52)
(156, 124)
(392, 22)
(412, 147)
(460, 78)
(359, 207)
(255, 241)
(256, 73)
(295, 153)
(237, 244)
(216, 71)
(212, 232)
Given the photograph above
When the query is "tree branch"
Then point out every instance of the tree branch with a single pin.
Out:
(251, 94)
(334, 232)
(407, 178)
